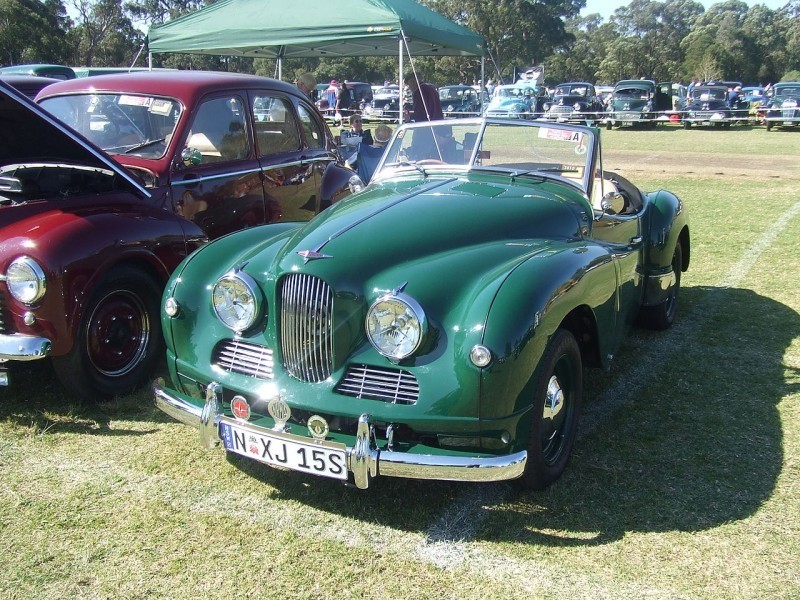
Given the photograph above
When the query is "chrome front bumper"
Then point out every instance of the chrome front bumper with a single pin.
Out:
(15, 346)
(364, 459)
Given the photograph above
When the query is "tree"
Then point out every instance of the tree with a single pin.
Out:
(32, 31)
(105, 35)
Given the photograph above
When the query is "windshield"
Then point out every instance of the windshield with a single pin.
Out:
(572, 90)
(120, 123)
(515, 92)
(631, 94)
(789, 90)
(707, 94)
(518, 148)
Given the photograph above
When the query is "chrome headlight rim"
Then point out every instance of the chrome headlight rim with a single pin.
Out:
(31, 287)
(235, 298)
(413, 329)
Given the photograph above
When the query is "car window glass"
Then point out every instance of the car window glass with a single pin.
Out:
(315, 138)
(276, 129)
(218, 130)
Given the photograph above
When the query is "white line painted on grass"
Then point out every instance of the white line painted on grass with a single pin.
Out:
(446, 543)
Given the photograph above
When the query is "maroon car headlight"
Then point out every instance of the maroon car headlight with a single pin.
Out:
(235, 301)
(396, 325)
(26, 280)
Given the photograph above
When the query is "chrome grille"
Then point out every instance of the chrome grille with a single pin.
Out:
(236, 356)
(376, 383)
(306, 327)
(562, 110)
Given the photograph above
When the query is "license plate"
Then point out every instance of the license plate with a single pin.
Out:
(285, 450)
(378, 112)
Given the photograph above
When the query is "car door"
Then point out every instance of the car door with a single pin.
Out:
(288, 170)
(622, 235)
(217, 180)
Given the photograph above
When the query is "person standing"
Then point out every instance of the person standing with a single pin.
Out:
(426, 100)
(307, 84)
(332, 93)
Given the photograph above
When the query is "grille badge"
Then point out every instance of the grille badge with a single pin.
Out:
(318, 427)
(280, 411)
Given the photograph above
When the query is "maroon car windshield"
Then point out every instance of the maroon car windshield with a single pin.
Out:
(138, 125)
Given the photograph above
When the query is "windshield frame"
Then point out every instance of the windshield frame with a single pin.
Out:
(392, 163)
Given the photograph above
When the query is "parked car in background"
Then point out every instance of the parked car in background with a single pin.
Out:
(574, 102)
(636, 102)
(40, 70)
(313, 347)
(708, 106)
(460, 101)
(670, 99)
(360, 96)
(783, 107)
(385, 104)
(517, 101)
(30, 85)
(208, 164)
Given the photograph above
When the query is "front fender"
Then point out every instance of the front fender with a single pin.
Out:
(531, 305)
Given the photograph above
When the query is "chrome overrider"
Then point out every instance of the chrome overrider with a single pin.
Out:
(364, 460)
(16, 346)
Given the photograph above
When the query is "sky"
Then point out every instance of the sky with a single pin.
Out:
(607, 7)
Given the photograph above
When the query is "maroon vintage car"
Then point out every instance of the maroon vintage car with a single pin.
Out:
(86, 246)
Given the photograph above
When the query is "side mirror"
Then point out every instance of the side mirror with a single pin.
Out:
(191, 157)
(612, 204)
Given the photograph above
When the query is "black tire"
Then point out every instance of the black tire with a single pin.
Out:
(609, 125)
(118, 342)
(662, 316)
(769, 125)
(687, 125)
(557, 395)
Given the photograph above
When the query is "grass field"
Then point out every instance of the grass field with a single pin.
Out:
(684, 482)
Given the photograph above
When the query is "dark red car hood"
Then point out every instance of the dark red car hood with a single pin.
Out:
(29, 134)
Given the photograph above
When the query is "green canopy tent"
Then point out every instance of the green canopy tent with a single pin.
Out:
(315, 28)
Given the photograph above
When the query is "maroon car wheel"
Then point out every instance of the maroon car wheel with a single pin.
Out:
(119, 339)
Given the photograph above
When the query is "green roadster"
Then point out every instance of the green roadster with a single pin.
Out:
(435, 324)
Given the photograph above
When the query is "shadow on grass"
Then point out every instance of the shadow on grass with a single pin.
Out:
(36, 399)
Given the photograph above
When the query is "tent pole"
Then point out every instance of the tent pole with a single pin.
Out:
(400, 79)
(483, 85)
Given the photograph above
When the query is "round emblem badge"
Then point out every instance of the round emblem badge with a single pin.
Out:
(318, 427)
(280, 411)
(240, 408)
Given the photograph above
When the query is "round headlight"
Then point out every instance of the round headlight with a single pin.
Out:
(25, 279)
(234, 300)
(395, 325)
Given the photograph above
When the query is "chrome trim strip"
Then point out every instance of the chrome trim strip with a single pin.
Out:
(365, 460)
(16, 346)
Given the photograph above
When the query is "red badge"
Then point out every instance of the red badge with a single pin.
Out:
(240, 408)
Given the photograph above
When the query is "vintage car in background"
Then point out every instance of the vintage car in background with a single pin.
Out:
(40, 70)
(460, 101)
(783, 106)
(517, 101)
(227, 150)
(708, 106)
(374, 341)
(636, 102)
(30, 85)
(360, 96)
(574, 102)
(670, 99)
(385, 105)
(89, 245)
